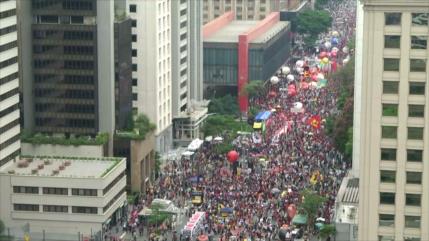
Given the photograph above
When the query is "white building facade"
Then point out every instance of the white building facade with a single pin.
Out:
(9, 83)
(152, 82)
(61, 198)
(394, 121)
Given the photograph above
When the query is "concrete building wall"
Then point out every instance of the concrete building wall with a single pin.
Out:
(67, 224)
(142, 163)
(244, 9)
(152, 65)
(61, 150)
(9, 83)
(381, 152)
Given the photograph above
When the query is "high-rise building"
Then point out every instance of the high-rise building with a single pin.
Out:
(9, 83)
(244, 9)
(67, 60)
(394, 121)
(151, 51)
(187, 70)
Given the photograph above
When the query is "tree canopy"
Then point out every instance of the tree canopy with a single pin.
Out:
(217, 124)
(311, 23)
(253, 88)
(226, 105)
(310, 205)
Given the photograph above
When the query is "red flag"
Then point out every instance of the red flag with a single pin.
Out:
(315, 121)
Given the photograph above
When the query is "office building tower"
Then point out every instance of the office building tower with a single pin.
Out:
(67, 60)
(151, 52)
(9, 83)
(394, 121)
(244, 9)
(187, 67)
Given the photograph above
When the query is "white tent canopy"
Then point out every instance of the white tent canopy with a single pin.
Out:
(195, 144)
(188, 153)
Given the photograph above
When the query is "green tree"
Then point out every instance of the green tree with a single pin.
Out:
(157, 217)
(2, 227)
(218, 124)
(4, 237)
(310, 205)
(311, 23)
(253, 88)
(226, 105)
(327, 231)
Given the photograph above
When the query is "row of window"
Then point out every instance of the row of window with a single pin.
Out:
(9, 141)
(55, 191)
(68, 64)
(55, 19)
(414, 88)
(54, 208)
(113, 183)
(413, 110)
(68, 79)
(391, 132)
(62, 122)
(9, 94)
(68, 94)
(8, 13)
(417, 19)
(394, 42)
(7, 30)
(392, 238)
(9, 126)
(114, 199)
(9, 78)
(65, 108)
(410, 199)
(9, 110)
(388, 220)
(8, 46)
(389, 176)
(8, 62)
(416, 65)
(389, 154)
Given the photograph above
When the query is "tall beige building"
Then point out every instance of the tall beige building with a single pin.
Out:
(394, 121)
(244, 9)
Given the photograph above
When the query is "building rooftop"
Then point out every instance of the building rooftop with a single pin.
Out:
(347, 201)
(60, 167)
(230, 33)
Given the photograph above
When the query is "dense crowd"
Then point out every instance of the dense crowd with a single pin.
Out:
(271, 173)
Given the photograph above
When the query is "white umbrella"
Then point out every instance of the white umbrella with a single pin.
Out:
(218, 138)
(274, 80)
(297, 105)
(275, 190)
(285, 70)
(209, 138)
(290, 77)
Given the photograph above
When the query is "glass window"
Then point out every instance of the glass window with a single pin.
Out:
(389, 132)
(55, 208)
(417, 65)
(390, 87)
(420, 19)
(415, 133)
(417, 88)
(392, 18)
(387, 176)
(392, 41)
(391, 64)
(87, 210)
(26, 207)
(55, 191)
(414, 178)
(416, 110)
(133, 8)
(411, 239)
(24, 189)
(414, 155)
(387, 198)
(413, 199)
(419, 42)
(412, 221)
(386, 238)
(388, 154)
(390, 109)
(386, 220)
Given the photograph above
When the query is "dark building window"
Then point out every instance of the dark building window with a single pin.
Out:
(25, 189)
(113, 183)
(414, 155)
(390, 87)
(134, 96)
(79, 50)
(134, 67)
(55, 191)
(55, 208)
(413, 199)
(183, 36)
(9, 141)
(420, 19)
(134, 38)
(419, 42)
(392, 18)
(133, 8)
(392, 41)
(387, 198)
(133, 23)
(9, 126)
(77, 5)
(416, 110)
(75, 64)
(9, 94)
(134, 82)
(8, 62)
(8, 13)
(84, 192)
(388, 154)
(87, 210)
(8, 78)
(387, 176)
(417, 88)
(414, 178)
(8, 46)
(78, 35)
(7, 30)
(113, 200)
(9, 110)
(26, 207)
(134, 52)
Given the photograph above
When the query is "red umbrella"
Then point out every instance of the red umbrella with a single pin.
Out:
(291, 210)
(272, 94)
(203, 238)
(323, 55)
(232, 156)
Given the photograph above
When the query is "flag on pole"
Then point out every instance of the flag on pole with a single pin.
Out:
(315, 121)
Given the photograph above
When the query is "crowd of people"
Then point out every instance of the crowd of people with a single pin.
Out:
(292, 156)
